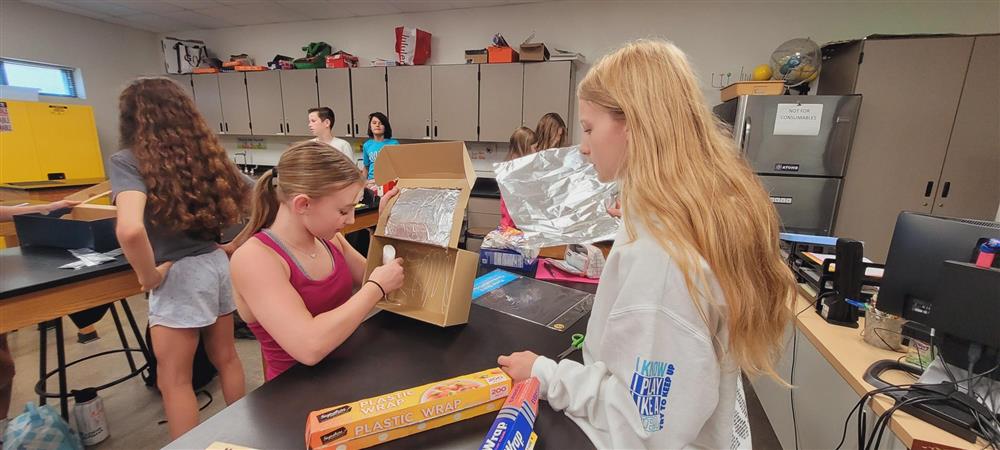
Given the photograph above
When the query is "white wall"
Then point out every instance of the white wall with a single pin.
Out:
(718, 36)
(107, 55)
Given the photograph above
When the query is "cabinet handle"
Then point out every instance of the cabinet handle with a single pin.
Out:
(349, 130)
(435, 131)
(427, 131)
(227, 127)
(355, 129)
(288, 129)
(945, 189)
(220, 127)
(928, 189)
(281, 127)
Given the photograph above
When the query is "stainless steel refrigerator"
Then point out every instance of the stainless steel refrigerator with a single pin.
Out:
(798, 145)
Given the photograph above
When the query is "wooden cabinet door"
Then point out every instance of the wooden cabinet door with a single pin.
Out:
(264, 95)
(410, 101)
(235, 106)
(546, 89)
(298, 95)
(208, 101)
(970, 184)
(907, 112)
(500, 91)
(368, 95)
(335, 93)
(455, 102)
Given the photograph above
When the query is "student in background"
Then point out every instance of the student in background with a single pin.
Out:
(295, 274)
(321, 121)
(551, 132)
(522, 143)
(176, 190)
(694, 290)
(379, 135)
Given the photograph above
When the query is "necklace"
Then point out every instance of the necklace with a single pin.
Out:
(312, 255)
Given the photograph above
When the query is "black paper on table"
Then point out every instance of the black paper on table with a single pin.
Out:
(556, 307)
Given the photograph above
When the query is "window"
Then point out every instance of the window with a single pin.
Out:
(47, 78)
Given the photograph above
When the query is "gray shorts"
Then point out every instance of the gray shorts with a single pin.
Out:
(196, 291)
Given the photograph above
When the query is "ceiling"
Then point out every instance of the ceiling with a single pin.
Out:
(182, 15)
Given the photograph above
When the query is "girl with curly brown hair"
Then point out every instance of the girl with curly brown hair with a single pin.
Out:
(176, 190)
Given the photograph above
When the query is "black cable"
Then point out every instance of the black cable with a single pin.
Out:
(872, 393)
(883, 420)
(876, 330)
(813, 303)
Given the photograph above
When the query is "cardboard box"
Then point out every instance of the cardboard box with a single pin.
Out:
(477, 56)
(391, 435)
(438, 285)
(384, 413)
(85, 226)
(499, 55)
(773, 87)
(534, 52)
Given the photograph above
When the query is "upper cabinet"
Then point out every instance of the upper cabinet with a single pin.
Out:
(335, 93)
(547, 88)
(208, 101)
(264, 95)
(299, 93)
(500, 87)
(410, 101)
(466, 102)
(368, 95)
(235, 109)
(185, 82)
(455, 102)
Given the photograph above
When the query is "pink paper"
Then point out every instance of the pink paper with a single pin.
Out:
(546, 272)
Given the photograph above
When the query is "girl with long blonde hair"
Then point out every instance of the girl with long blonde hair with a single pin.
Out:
(694, 290)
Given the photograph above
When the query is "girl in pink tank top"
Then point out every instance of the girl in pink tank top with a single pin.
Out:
(298, 284)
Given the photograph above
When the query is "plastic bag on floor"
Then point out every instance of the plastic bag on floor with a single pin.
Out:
(40, 427)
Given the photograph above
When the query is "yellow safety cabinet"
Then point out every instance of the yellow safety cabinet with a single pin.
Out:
(42, 141)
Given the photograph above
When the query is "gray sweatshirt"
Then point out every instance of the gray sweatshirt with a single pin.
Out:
(652, 378)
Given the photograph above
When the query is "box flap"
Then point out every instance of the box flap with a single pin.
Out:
(429, 165)
(432, 160)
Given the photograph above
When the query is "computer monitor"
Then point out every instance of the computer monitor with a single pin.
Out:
(920, 245)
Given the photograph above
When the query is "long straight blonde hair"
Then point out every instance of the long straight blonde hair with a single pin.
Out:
(683, 179)
(309, 167)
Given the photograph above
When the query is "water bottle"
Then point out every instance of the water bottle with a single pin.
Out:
(91, 422)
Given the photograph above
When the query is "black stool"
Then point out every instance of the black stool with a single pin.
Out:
(61, 366)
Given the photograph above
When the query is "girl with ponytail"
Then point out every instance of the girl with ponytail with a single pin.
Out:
(294, 273)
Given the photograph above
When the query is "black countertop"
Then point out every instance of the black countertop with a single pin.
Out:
(28, 269)
(387, 353)
(485, 188)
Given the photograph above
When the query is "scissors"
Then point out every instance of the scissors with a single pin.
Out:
(576, 344)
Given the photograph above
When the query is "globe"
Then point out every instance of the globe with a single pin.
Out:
(796, 62)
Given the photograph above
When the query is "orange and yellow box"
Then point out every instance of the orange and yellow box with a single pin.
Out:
(378, 415)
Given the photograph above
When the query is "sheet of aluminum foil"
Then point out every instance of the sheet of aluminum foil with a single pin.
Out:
(423, 215)
(554, 196)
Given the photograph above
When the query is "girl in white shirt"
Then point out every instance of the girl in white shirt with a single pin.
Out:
(321, 122)
(694, 289)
